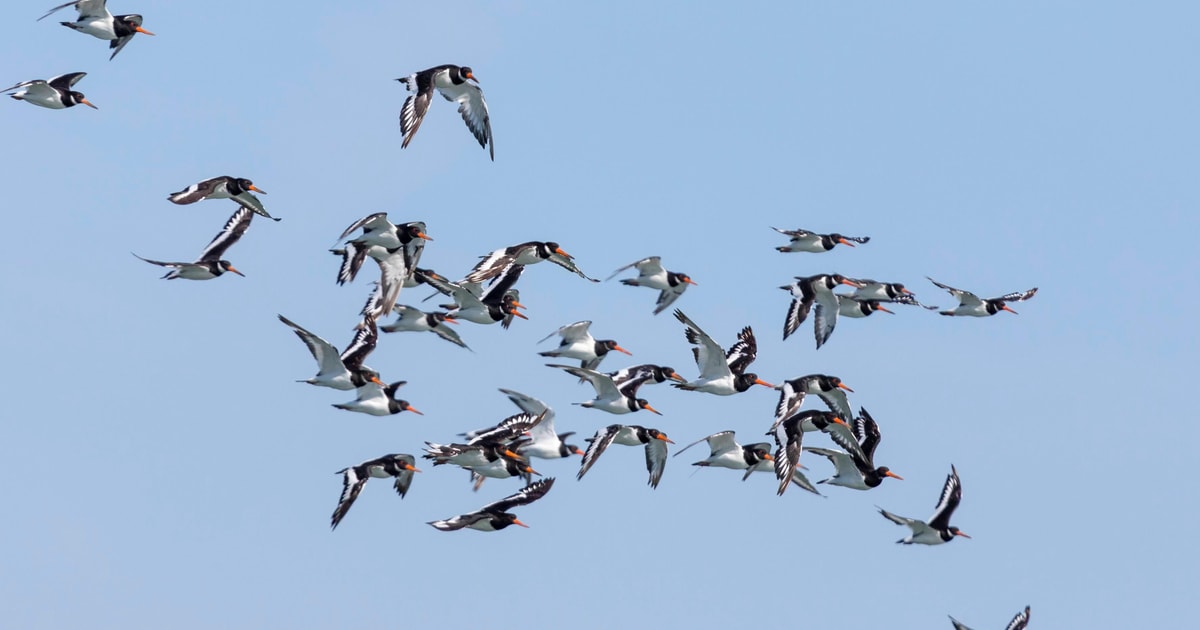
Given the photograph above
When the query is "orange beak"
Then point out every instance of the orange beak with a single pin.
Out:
(838, 420)
(513, 455)
(142, 31)
(894, 475)
(561, 252)
(412, 468)
(518, 304)
(649, 408)
(961, 534)
(848, 281)
(414, 410)
(689, 281)
(579, 452)
(515, 521)
(450, 320)
(1005, 307)
(845, 387)
(424, 236)
(676, 377)
(769, 457)
(88, 103)
(257, 189)
(663, 437)
(845, 242)
(759, 381)
(906, 291)
(230, 268)
(517, 313)
(471, 75)
(620, 349)
(375, 379)
(879, 307)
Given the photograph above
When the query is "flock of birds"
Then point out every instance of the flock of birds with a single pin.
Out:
(487, 294)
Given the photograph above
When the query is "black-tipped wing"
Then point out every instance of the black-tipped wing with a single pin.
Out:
(524, 496)
(234, 228)
(656, 460)
(328, 361)
(742, 353)
(788, 442)
(571, 332)
(364, 343)
(353, 480)
(598, 443)
(507, 429)
(197, 191)
(959, 625)
(1019, 296)
(66, 81)
(797, 313)
(951, 496)
(416, 105)
(1020, 621)
(867, 432)
(566, 263)
(404, 478)
(965, 298)
(709, 356)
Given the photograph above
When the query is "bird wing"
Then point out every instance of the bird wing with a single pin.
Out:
(524, 496)
(788, 442)
(825, 318)
(965, 298)
(459, 522)
(656, 460)
(66, 81)
(843, 462)
(508, 277)
(644, 266)
(543, 430)
(951, 496)
(571, 332)
(602, 383)
(196, 191)
(362, 345)
(1020, 621)
(797, 313)
(959, 625)
(667, 297)
(117, 44)
(793, 233)
(596, 447)
(743, 352)
(404, 478)
(791, 397)
(1019, 296)
(474, 111)
(493, 264)
(86, 9)
(328, 361)
(234, 228)
(415, 106)
(371, 222)
(246, 199)
(710, 358)
(449, 334)
(507, 429)
(867, 431)
(566, 263)
(352, 484)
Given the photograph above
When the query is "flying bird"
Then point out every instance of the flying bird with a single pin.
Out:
(725, 452)
(397, 465)
(721, 373)
(210, 264)
(937, 529)
(818, 290)
(651, 274)
(415, 320)
(55, 93)
(856, 471)
(654, 440)
(609, 396)
(543, 442)
(375, 400)
(578, 343)
(645, 374)
(454, 84)
(970, 305)
(533, 252)
(344, 371)
(238, 189)
(95, 20)
(805, 241)
(830, 389)
(495, 516)
(1020, 622)
(498, 304)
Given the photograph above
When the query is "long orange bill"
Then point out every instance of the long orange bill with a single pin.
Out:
(142, 30)
(512, 454)
(689, 281)
(257, 189)
(894, 475)
(848, 281)
(961, 534)
(450, 320)
(838, 420)
(424, 236)
(414, 410)
(676, 377)
(518, 304)
(518, 314)
(845, 242)
(1005, 307)
(769, 457)
(579, 452)
(880, 308)
(517, 522)
(230, 268)
(88, 103)
(620, 349)
(759, 381)
(845, 387)
(560, 251)
(649, 408)
(907, 291)
(375, 379)
(665, 438)
(412, 468)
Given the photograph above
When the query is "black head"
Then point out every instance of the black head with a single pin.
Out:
(605, 345)
(75, 98)
(402, 405)
(742, 382)
(465, 72)
(414, 230)
(225, 265)
(655, 434)
(504, 519)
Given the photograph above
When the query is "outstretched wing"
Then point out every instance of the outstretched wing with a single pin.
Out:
(951, 496)
(353, 480)
(595, 449)
(524, 496)
(742, 353)
(474, 111)
(1019, 296)
(965, 298)
(234, 228)
(710, 358)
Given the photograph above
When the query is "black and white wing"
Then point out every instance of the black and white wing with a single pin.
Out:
(825, 318)
(1019, 296)
(87, 9)
(637, 373)
(197, 191)
(959, 625)
(353, 255)
(965, 298)
(533, 406)
(369, 223)
(416, 105)
(365, 339)
(710, 358)
(474, 111)
(951, 496)
(460, 521)
(917, 526)
(508, 278)
(444, 331)
(793, 233)
(651, 265)
(911, 300)
(234, 228)
(789, 440)
(867, 432)
(66, 81)
(571, 332)
(493, 264)
(798, 309)
(656, 460)
(1020, 621)
(353, 480)
(743, 352)
(524, 496)
(246, 199)
(506, 430)
(328, 361)
(598, 443)
(602, 383)
(566, 262)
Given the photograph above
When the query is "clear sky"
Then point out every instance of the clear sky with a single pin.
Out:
(162, 468)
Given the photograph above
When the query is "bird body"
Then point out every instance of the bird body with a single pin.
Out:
(653, 275)
(495, 516)
(53, 93)
(654, 440)
(937, 529)
(805, 241)
(721, 373)
(376, 400)
(609, 397)
(970, 305)
(578, 343)
(454, 83)
(344, 371)
(210, 264)
(95, 20)
(399, 466)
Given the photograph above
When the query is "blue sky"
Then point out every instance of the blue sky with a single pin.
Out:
(163, 467)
